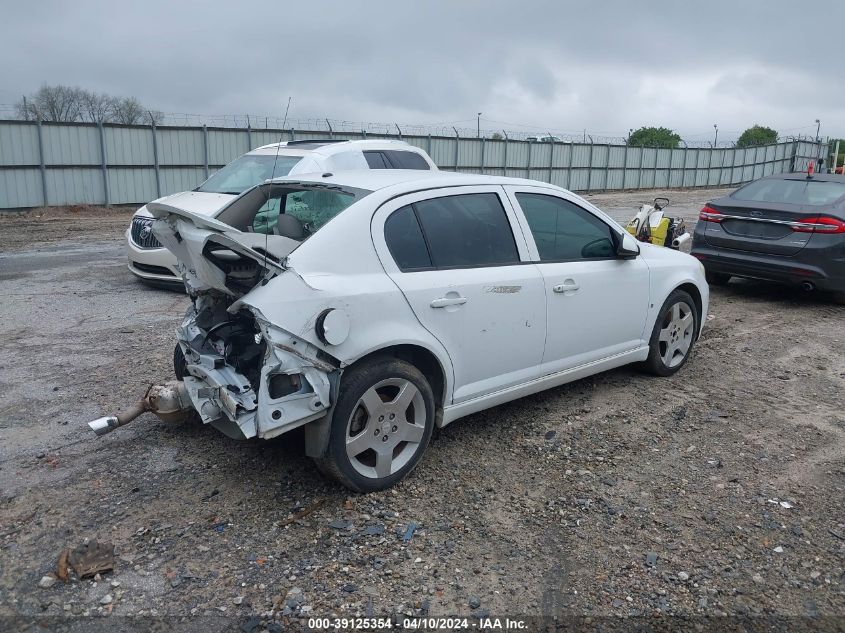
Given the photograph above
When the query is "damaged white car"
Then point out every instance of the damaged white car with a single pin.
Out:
(372, 306)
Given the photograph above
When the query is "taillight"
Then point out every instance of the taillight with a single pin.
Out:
(819, 224)
(709, 214)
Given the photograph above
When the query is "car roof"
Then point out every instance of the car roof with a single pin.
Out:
(376, 179)
(328, 147)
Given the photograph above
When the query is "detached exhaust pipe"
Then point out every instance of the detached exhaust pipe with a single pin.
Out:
(681, 240)
(169, 401)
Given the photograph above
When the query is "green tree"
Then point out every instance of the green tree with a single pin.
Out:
(497, 137)
(757, 135)
(654, 137)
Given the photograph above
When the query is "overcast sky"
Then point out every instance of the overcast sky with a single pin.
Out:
(604, 66)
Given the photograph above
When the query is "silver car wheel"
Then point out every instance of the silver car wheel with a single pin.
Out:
(386, 427)
(676, 334)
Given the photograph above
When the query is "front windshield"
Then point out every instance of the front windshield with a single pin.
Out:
(247, 171)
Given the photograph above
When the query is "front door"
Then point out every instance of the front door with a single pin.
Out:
(462, 267)
(596, 302)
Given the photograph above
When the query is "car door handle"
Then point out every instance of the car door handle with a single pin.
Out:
(444, 302)
(568, 286)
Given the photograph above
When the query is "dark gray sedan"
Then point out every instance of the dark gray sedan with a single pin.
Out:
(788, 228)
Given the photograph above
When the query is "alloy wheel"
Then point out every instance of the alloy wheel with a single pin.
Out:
(676, 334)
(385, 428)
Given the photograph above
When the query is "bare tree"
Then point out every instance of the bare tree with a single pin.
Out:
(96, 106)
(52, 103)
(127, 110)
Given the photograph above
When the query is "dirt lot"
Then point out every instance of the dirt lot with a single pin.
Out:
(719, 491)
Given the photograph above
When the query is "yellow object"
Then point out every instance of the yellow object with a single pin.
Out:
(658, 233)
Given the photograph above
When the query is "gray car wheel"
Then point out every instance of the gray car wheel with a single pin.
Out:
(673, 335)
(381, 425)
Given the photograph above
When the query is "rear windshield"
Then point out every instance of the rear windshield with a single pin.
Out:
(294, 211)
(804, 191)
(247, 171)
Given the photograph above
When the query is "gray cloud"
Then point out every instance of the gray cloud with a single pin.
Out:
(606, 67)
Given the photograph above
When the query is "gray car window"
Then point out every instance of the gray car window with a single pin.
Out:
(467, 230)
(564, 231)
(805, 191)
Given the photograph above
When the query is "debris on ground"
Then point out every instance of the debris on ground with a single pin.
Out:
(91, 558)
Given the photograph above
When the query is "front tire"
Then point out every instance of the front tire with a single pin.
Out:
(381, 425)
(673, 335)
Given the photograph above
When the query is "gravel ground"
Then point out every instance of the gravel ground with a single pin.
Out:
(718, 491)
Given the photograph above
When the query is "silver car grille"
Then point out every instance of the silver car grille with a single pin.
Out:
(142, 233)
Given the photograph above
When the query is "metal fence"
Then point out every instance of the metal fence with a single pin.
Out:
(46, 164)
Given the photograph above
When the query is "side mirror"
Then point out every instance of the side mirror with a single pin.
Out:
(628, 247)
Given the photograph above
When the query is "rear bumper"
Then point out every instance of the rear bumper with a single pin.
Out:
(818, 266)
(152, 264)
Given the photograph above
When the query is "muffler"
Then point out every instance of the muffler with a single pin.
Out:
(681, 240)
(169, 401)
(807, 286)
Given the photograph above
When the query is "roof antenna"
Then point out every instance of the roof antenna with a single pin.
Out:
(270, 187)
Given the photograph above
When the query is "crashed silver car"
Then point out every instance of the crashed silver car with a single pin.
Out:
(370, 306)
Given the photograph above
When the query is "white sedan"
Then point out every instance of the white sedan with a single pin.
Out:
(155, 265)
(372, 306)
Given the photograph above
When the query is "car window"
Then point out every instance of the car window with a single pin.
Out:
(405, 240)
(466, 230)
(564, 231)
(376, 160)
(312, 207)
(406, 160)
(247, 171)
(804, 191)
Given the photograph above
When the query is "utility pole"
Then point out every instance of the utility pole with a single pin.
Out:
(25, 108)
(716, 138)
(478, 126)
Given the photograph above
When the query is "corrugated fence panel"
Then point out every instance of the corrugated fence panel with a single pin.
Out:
(469, 154)
(132, 185)
(75, 186)
(18, 144)
(129, 145)
(20, 188)
(494, 157)
(71, 145)
(180, 146)
(443, 151)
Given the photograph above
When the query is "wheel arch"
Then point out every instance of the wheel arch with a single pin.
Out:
(692, 290)
(423, 359)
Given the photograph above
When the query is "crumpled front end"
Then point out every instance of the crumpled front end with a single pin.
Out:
(247, 377)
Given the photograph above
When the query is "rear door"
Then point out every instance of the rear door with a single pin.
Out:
(766, 216)
(459, 258)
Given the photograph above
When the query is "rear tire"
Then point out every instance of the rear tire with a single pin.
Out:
(717, 279)
(673, 335)
(180, 365)
(381, 425)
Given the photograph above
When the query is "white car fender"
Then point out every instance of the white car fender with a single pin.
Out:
(665, 275)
